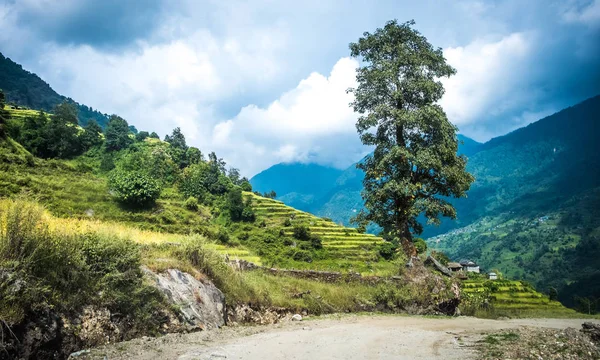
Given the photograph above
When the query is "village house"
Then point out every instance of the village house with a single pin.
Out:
(469, 266)
(454, 267)
(493, 276)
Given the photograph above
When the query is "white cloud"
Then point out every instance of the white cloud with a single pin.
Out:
(312, 122)
(485, 75)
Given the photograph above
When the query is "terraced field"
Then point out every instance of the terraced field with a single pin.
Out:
(235, 253)
(341, 242)
(515, 298)
(20, 114)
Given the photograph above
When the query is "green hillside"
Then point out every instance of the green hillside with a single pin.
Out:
(509, 298)
(345, 248)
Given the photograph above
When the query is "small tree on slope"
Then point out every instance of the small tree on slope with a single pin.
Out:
(414, 167)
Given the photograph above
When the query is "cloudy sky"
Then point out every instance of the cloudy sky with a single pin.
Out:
(262, 82)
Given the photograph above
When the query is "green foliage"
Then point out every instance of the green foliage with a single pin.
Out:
(92, 135)
(41, 269)
(238, 209)
(134, 188)
(4, 115)
(154, 135)
(191, 203)
(117, 134)
(201, 179)
(420, 245)
(194, 155)
(387, 250)
(414, 167)
(141, 136)
(440, 256)
(301, 232)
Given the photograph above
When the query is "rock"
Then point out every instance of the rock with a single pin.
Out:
(438, 266)
(200, 303)
(297, 317)
(79, 353)
(592, 330)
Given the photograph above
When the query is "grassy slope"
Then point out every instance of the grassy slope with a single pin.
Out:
(346, 248)
(514, 298)
(79, 200)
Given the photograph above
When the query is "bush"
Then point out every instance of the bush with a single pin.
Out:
(191, 203)
(302, 255)
(387, 250)
(420, 245)
(287, 222)
(134, 188)
(301, 232)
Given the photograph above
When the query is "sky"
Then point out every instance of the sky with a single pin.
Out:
(263, 82)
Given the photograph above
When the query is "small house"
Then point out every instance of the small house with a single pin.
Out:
(493, 276)
(469, 266)
(454, 267)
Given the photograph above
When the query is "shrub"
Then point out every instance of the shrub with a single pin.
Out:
(420, 245)
(191, 203)
(287, 222)
(223, 236)
(361, 229)
(301, 232)
(134, 188)
(302, 255)
(387, 250)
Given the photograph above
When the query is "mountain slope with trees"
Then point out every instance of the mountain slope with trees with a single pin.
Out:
(26, 89)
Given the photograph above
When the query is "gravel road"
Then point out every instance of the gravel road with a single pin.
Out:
(346, 337)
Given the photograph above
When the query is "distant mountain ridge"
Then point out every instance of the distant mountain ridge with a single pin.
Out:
(330, 192)
(24, 88)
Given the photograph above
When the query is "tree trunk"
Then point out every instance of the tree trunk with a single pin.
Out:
(407, 243)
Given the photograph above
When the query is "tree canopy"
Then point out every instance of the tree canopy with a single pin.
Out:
(414, 168)
(117, 134)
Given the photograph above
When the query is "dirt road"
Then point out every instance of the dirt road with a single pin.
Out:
(352, 337)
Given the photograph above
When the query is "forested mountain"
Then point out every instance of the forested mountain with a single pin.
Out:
(26, 89)
(296, 184)
(324, 190)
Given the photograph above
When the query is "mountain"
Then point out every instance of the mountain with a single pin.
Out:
(323, 190)
(296, 184)
(533, 211)
(26, 89)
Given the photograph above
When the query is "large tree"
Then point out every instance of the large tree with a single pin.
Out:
(414, 168)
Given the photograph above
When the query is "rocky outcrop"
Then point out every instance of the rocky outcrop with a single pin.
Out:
(201, 303)
(438, 266)
(592, 330)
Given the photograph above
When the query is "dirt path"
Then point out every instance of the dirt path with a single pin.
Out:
(351, 337)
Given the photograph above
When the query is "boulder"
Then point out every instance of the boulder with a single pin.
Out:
(297, 317)
(592, 330)
(200, 303)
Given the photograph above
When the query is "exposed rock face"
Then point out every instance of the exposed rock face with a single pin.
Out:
(592, 330)
(201, 303)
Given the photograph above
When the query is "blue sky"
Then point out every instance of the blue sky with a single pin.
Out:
(261, 82)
